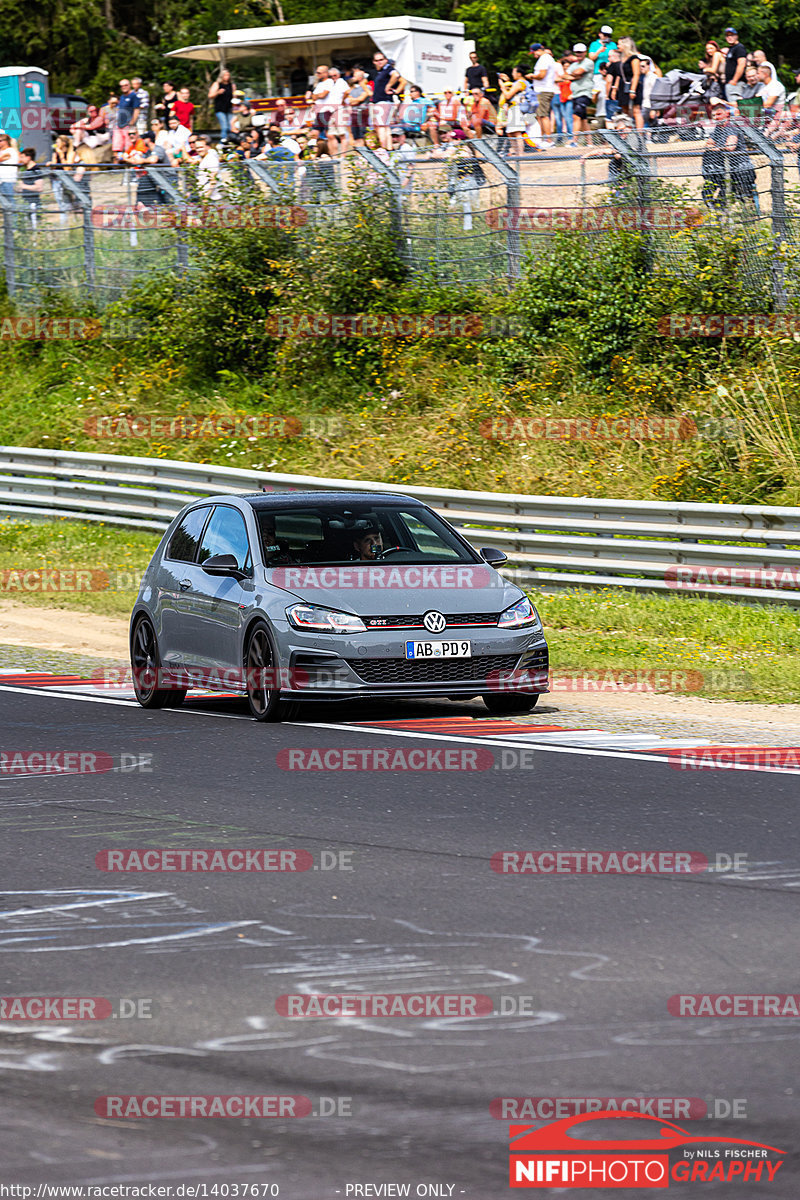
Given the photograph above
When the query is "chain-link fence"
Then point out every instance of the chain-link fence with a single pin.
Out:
(467, 215)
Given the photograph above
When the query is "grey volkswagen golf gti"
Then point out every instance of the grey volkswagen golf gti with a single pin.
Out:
(330, 596)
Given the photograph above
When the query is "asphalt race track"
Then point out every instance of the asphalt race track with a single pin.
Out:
(579, 967)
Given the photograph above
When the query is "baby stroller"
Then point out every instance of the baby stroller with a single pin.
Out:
(681, 100)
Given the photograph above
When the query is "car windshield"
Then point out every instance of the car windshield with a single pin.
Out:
(330, 534)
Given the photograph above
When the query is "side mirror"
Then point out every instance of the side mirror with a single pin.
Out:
(222, 564)
(493, 556)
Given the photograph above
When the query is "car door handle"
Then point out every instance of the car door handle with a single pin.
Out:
(185, 584)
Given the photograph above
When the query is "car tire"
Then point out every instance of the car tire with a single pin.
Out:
(146, 668)
(264, 702)
(503, 704)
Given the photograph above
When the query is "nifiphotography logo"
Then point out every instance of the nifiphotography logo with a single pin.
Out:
(568, 1154)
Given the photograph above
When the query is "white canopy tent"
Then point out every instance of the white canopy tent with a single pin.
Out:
(431, 53)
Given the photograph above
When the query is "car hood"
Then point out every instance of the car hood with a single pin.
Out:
(490, 593)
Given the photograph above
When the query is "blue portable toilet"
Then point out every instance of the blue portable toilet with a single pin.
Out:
(24, 108)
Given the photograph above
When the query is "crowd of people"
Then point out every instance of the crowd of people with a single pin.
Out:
(543, 103)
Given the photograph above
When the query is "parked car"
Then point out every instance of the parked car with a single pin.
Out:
(65, 110)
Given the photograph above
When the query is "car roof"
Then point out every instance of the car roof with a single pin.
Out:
(268, 500)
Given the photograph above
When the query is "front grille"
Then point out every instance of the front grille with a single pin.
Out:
(402, 670)
(454, 620)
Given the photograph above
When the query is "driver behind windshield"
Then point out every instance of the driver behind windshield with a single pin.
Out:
(368, 545)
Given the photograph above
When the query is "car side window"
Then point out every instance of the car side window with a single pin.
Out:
(226, 533)
(186, 538)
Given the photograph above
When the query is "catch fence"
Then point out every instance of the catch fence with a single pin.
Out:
(470, 217)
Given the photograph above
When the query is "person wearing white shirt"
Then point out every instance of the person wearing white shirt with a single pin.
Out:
(773, 92)
(544, 83)
(339, 124)
(208, 170)
(9, 158)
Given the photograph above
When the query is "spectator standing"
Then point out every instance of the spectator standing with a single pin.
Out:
(600, 93)
(127, 116)
(9, 160)
(713, 65)
(144, 104)
(385, 85)
(562, 103)
(614, 84)
(735, 63)
(511, 118)
(163, 107)
(601, 48)
(221, 92)
(338, 125)
(110, 114)
(475, 75)
(358, 101)
(544, 82)
(319, 96)
(581, 72)
(31, 184)
(632, 82)
(650, 72)
(183, 109)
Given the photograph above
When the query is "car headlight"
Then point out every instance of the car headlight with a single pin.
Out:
(323, 620)
(519, 615)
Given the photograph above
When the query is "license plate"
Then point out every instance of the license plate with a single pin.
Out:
(438, 649)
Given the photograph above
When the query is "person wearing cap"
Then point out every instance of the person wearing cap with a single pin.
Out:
(581, 71)
(368, 544)
(735, 63)
(544, 83)
(601, 47)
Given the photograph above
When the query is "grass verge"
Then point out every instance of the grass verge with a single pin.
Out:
(679, 644)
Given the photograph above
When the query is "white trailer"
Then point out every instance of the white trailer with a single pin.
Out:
(433, 54)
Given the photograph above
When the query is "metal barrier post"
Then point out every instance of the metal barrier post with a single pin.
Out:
(162, 183)
(396, 187)
(775, 157)
(511, 177)
(8, 245)
(85, 200)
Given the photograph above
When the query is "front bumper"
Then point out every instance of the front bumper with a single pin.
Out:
(327, 676)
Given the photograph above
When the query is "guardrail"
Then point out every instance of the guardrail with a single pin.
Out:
(551, 541)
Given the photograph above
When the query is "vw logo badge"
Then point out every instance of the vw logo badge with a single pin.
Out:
(434, 622)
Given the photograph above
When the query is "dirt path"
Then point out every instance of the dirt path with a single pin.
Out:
(63, 629)
(107, 637)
